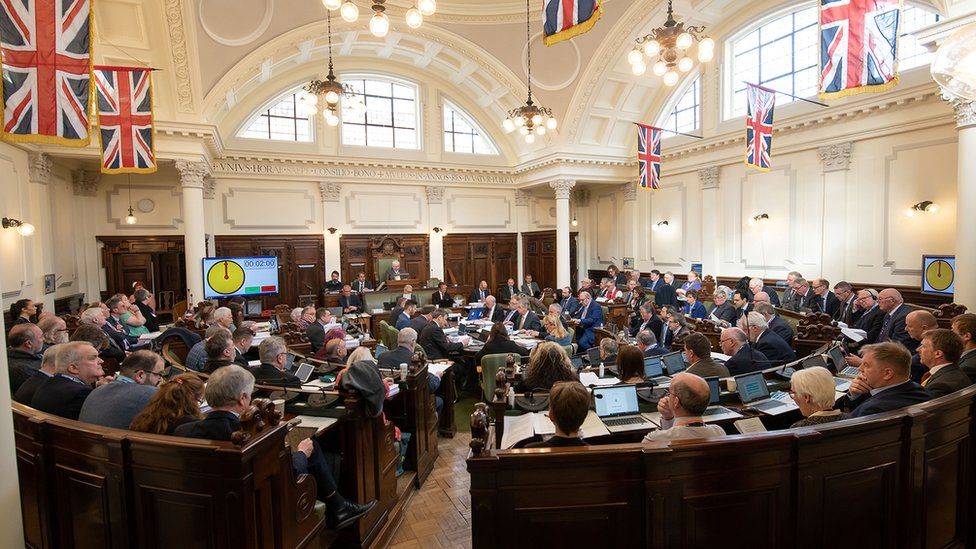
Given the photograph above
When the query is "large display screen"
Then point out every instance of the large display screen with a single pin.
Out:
(244, 276)
(938, 274)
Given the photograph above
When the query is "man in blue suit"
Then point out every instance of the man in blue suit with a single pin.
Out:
(590, 315)
(883, 383)
(893, 326)
(569, 303)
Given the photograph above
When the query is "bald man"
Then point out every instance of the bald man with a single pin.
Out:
(682, 409)
(735, 343)
(916, 324)
(893, 327)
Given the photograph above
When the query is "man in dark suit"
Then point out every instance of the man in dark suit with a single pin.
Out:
(740, 302)
(939, 351)
(333, 284)
(316, 330)
(569, 303)
(114, 326)
(142, 296)
(25, 393)
(893, 326)
(801, 296)
(744, 358)
(722, 308)
(433, 340)
(361, 285)
(698, 352)
(349, 301)
(479, 294)
(78, 368)
(789, 294)
(964, 326)
(757, 285)
(823, 300)
(846, 296)
(508, 291)
(492, 311)
(243, 337)
(403, 354)
(883, 383)
(512, 314)
(647, 343)
(646, 321)
(406, 315)
(665, 295)
(530, 288)
(24, 342)
(766, 341)
(442, 298)
(228, 392)
(528, 320)
(590, 315)
(655, 280)
(776, 323)
(394, 272)
(274, 357)
(420, 321)
(586, 285)
(871, 318)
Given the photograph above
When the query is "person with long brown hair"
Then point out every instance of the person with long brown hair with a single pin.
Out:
(175, 403)
(548, 364)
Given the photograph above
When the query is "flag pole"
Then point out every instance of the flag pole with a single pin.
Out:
(670, 131)
(788, 95)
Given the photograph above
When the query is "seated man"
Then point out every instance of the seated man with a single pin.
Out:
(25, 394)
(776, 323)
(403, 354)
(723, 310)
(569, 402)
(647, 343)
(114, 327)
(397, 310)
(408, 294)
(608, 350)
(242, 337)
(196, 358)
(306, 319)
(394, 272)
(442, 298)
(964, 326)
(316, 330)
(362, 285)
(334, 352)
(228, 392)
(766, 341)
(115, 404)
(757, 285)
(681, 411)
(698, 351)
(333, 284)
(590, 315)
(509, 290)
(433, 340)
(883, 383)
(421, 320)
(349, 301)
(220, 352)
(569, 303)
(479, 294)
(939, 351)
(530, 288)
(492, 311)
(274, 357)
(23, 353)
(54, 330)
(409, 308)
(870, 317)
(528, 321)
(647, 321)
(744, 359)
(512, 314)
(77, 368)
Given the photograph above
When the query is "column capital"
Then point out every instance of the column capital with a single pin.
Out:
(708, 177)
(965, 109)
(435, 195)
(562, 187)
(192, 174)
(630, 191)
(39, 167)
(836, 157)
(85, 183)
(330, 191)
(521, 198)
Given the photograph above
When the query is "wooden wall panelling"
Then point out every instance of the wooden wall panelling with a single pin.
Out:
(472, 258)
(158, 261)
(301, 262)
(539, 258)
(359, 253)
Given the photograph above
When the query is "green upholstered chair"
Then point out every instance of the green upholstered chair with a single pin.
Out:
(490, 364)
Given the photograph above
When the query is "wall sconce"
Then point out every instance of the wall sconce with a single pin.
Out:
(662, 226)
(332, 230)
(25, 229)
(761, 219)
(437, 230)
(925, 206)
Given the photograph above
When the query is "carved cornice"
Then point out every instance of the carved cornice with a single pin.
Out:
(563, 188)
(835, 157)
(85, 183)
(330, 191)
(39, 167)
(521, 198)
(366, 173)
(964, 109)
(192, 174)
(435, 195)
(630, 191)
(181, 61)
(708, 177)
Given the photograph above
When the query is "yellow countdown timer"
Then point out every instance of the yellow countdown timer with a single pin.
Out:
(939, 275)
(225, 277)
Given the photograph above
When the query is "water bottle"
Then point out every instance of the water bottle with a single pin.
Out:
(601, 370)
(511, 396)
(403, 371)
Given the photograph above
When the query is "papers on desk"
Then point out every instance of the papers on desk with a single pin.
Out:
(319, 384)
(749, 426)
(262, 326)
(589, 378)
(653, 417)
(593, 426)
(542, 424)
(351, 342)
(394, 391)
(353, 316)
(150, 336)
(841, 386)
(853, 334)
(259, 337)
(519, 428)
(438, 368)
(253, 363)
(450, 331)
(377, 310)
(318, 423)
(720, 356)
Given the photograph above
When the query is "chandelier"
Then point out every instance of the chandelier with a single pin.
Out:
(329, 90)
(670, 44)
(379, 24)
(530, 119)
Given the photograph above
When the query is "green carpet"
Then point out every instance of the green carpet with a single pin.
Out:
(463, 409)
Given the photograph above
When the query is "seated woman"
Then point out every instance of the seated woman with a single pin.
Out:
(694, 283)
(693, 307)
(569, 402)
(360, 353)
(498, 343)
(555, 330)
(548, 364)
(176, 402)
(813, 392)
(203, 316)
(630, 364)
(132, 319)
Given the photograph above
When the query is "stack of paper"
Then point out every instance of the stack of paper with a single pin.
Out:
(318, 423)
(590, 378)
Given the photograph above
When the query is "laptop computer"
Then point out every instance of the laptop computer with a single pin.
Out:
(674, 363)
(475, 313)
(654, 371)
(754, 393)
(593, 355)
(577, 362)
(483, 336)
(814, 361)
(616, 406)
(714, 412)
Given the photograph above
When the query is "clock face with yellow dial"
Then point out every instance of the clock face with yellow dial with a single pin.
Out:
(225, 277)
(939, 275)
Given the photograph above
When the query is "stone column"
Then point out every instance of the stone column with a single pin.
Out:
(209, 216)
(631, 235)
(965, 280)
(521, 225)
(437, 217)
(836, 160)
(38, 211)
(584, 240)
(711, 256)
(90, 274)
(332, 217)
(563, 188)
(192, 176)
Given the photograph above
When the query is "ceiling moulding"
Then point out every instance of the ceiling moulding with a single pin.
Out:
(478, 12)
(360, 173)
(181, 61)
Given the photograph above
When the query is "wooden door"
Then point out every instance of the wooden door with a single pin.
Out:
(130, 268)
(539, 257)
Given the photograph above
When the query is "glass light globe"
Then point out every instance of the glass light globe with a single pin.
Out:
(932, 208)
(519, 121)
(540, 130)
(660, 68)
(379, 25)
(705, 55)
(414, 18)
(552, 123)
(685, 64)
(508, 125)
(530, 138)
(311, 110)
(638, 68)
(635, 56)
(536, 119)
(523, 130)
(349, 11)
(909, 213)
(311, 99)
(331, 119)
(652, 48)
(331, 97)
(130, 219)
(670, 78)
(331, 5)
(427, 7)
(706, 44)
(684, 41)
(954, 64)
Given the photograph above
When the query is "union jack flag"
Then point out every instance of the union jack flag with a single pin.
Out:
(125, 119)
(46, 78)
(649, 156)
(564, 19)
(858, 46)
(759, 127)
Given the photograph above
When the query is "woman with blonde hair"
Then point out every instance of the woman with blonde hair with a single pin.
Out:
(813, 391)
(176, 402)
(361, 353)
(555, 331)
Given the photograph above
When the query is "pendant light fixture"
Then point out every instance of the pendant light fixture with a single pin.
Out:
(669, 44)
(530, 119)
(379, 23)
(330, 90)
(131, 218)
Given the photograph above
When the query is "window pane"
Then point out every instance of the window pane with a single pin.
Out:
(378, 111)
(281, 122)
(777, 59)
(406, 139)
(354, 135)
(462, 136)
(378, 136)
(747, 42)
(686, 113)
(404, 114)
(258, 128)
(389, 105)
(910, 53)
(403, 92)
(805, 18)
(448, 141)
(376, 87)
(775, 29)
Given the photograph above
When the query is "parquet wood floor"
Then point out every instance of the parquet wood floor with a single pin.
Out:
(439, 514)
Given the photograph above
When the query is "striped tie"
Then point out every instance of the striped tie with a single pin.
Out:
(925, 378)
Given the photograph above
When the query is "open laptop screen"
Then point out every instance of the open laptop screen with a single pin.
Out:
(594, 355)
(653, 367)
(674, 363)
(577, 362)
(836, 355)
(751, 387)
(618, 400)
(713, 390)
(814, 361)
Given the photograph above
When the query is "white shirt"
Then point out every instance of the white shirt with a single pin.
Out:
(678, 429)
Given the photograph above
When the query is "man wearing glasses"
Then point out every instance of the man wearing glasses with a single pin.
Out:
(823, 300)
(115, 404)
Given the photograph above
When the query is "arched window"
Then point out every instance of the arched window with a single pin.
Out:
(686, 115)
(461, 135)
(282, 121)
(390, 118)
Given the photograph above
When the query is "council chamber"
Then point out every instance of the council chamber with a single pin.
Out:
(458, 273)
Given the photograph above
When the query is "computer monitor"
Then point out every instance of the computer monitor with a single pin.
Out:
(577, 362)
(593, 354)
(713, 390)
(462, 329)
(673, 362)
(836, 354)
(618, 400)
(475, 313)
(751, 387)
(653, 367)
